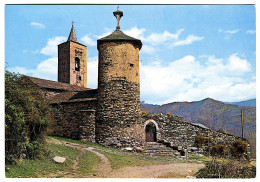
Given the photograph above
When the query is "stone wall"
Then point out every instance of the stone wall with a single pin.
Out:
(118, 117)
(75, 120)
(175, 131)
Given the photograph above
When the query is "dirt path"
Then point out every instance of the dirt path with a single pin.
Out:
(178, 170)
(104, 170)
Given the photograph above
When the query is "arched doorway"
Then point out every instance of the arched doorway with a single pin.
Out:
(150, 132)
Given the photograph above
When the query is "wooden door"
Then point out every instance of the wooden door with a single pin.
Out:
(150, 137)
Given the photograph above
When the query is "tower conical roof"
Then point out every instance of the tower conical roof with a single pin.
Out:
(119, 36)
(72, 36)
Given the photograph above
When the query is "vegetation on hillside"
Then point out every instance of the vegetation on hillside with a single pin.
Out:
(227, 169)
(27, 116)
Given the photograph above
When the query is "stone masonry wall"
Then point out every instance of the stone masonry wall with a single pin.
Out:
(75, 120)
(118, 118)
(179, 133)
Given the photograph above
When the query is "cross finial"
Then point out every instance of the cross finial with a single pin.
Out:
(72, 22)
(118, 14)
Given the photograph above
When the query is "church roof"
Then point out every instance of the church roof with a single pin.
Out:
(48, 84)
(72, 36)
(75, 96)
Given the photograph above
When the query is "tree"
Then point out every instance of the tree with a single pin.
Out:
(27, 116)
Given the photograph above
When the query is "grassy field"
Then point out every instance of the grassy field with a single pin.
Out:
(48, 168)
(87, 162)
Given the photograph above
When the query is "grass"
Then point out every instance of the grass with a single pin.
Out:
(87, 144)
(120, 159)
(39, 168)
(125, 159)
(49, 168)
(87, 161)
(87, 164)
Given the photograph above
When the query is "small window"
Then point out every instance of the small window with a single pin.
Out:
(77, 64)
(79, 77)
(132, 65)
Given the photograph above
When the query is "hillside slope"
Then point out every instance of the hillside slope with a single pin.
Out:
(251, 102)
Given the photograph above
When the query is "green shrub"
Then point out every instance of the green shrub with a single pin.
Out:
(230, 169)
(169, 114)
(143, 113)
(218, 149)
(221, 131)
(239, 148)
(27, 116)
(202, 140)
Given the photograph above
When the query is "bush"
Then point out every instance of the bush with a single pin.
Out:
(218, 150)
(143, 113)
(169, 114)
(221, 131)
(239, 148)
(230, 169)
(27, 116)
(202, 140)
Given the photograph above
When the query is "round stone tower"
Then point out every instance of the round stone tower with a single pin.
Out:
(118, 110)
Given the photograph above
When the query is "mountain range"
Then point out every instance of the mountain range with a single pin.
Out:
(213, 114)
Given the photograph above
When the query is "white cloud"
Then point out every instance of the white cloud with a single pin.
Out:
(88, 41)
(92, 71)
(237, 64)
(250, 31)
(46, 70)
(51, 49)
(158, 38)
(148, 49)
(231, 31)
(38, 25)
(189, 40)
(187, 79)
(135, 32)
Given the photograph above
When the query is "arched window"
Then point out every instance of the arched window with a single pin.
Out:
(77, 64)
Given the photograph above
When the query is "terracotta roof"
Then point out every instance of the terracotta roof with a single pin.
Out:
(75, 96)
(48, 84)
(118, 35)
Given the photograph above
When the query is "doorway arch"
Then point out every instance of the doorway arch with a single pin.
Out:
(151, 131)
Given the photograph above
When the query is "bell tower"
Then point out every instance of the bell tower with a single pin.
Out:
(72, 61)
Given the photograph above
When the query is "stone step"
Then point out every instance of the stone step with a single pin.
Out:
(159, 149)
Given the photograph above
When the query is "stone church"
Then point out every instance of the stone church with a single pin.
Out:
(110, 115)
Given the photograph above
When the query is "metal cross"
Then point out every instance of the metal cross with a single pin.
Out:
(117, 7)
(72, 22)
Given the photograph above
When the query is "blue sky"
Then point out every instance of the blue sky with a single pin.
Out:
(189, 52)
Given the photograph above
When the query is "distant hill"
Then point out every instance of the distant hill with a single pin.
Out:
(251, 102)
(213, 114)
